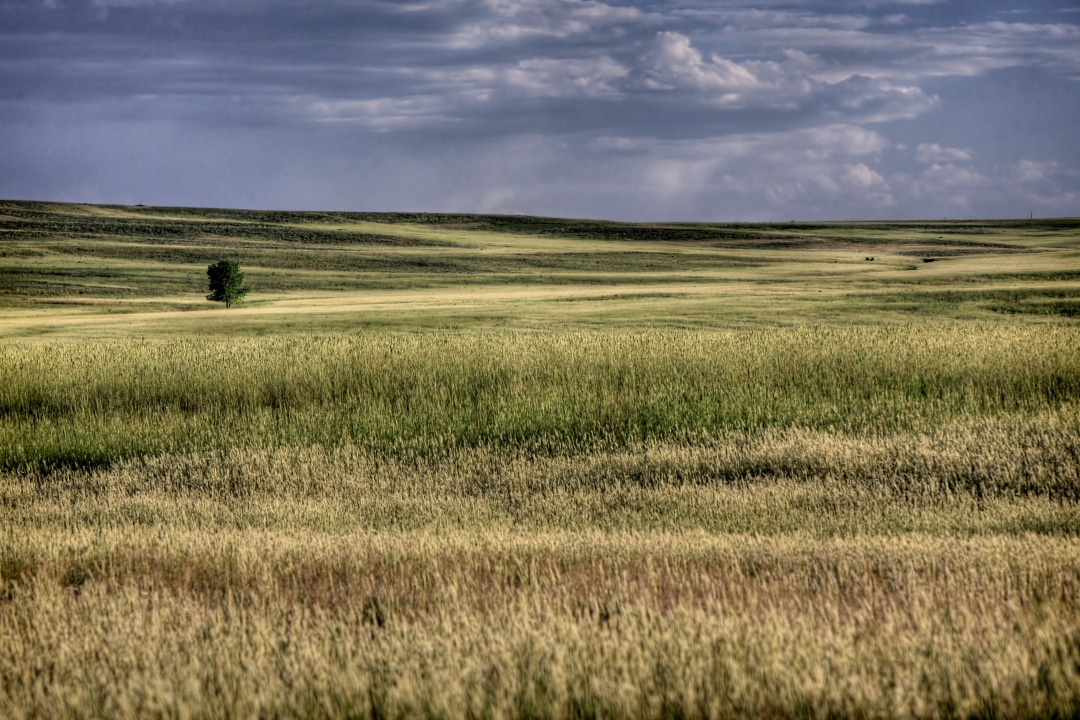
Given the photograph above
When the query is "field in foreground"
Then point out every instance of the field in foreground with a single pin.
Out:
(626, 503)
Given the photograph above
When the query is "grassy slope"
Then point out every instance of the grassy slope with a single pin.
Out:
(652, 470)
(67, 270)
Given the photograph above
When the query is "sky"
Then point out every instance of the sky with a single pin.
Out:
(676, 110)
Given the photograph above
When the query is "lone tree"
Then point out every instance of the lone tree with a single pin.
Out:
(226, 282)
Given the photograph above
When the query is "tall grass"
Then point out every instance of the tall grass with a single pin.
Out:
(560, 626)
(1005, 475)
(98, 402)
(815, 523)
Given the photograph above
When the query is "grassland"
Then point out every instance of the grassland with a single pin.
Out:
(70, 271)
(483, 466)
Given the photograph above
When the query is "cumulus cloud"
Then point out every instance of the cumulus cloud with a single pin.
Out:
(675, 63)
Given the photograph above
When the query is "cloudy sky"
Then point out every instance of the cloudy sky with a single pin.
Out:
(635, 110)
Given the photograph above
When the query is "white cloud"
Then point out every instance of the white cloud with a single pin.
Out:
(1030, 171)
(706, 86)
(841, 141)
(736, 18)
(932, 153)
(1015, 189)
(803, 171)
(1045, 184)
(562, 78)
(912, 56)
(975, 49)
(508, 21)
(947, 184)
(675, 63)
(383, 114)
(842, 44)
(860, 175)
(753, 175)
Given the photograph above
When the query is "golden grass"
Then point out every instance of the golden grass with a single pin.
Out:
(649, 471)
(547, 625)
(922, 562)
(1009, 475)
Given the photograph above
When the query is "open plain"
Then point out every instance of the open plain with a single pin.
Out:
(497, 466)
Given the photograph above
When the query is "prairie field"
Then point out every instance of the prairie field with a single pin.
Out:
(507, 467)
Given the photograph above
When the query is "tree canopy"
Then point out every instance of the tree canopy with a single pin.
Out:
(226, 282)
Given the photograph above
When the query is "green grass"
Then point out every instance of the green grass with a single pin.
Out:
(94, 403)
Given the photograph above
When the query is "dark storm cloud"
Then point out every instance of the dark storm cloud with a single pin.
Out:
(648, 109)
